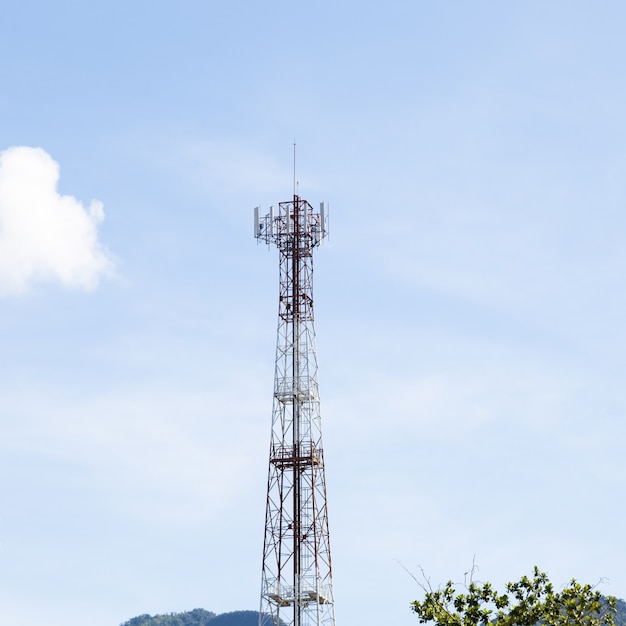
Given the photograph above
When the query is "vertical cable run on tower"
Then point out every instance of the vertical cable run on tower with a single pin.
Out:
(297, 574)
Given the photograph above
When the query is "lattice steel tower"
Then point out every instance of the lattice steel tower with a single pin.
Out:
(297, 576)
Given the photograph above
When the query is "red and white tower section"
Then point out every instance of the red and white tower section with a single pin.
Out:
(297, 575)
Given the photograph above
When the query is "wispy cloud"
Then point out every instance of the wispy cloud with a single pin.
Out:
(176, 455)
(45, 236)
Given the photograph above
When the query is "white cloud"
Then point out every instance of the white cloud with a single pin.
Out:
(45, 236)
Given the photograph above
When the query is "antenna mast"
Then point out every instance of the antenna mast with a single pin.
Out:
(297, 575)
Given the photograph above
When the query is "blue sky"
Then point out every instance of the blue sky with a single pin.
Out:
(469, 304)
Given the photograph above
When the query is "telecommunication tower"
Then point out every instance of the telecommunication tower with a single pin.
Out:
(296, 587)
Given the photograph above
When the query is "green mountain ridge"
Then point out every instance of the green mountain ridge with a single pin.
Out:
(201, 617)
(197, 617)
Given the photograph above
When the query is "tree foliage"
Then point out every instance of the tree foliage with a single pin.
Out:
(527, 602)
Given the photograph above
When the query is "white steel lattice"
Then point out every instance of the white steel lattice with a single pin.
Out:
(297, 575)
